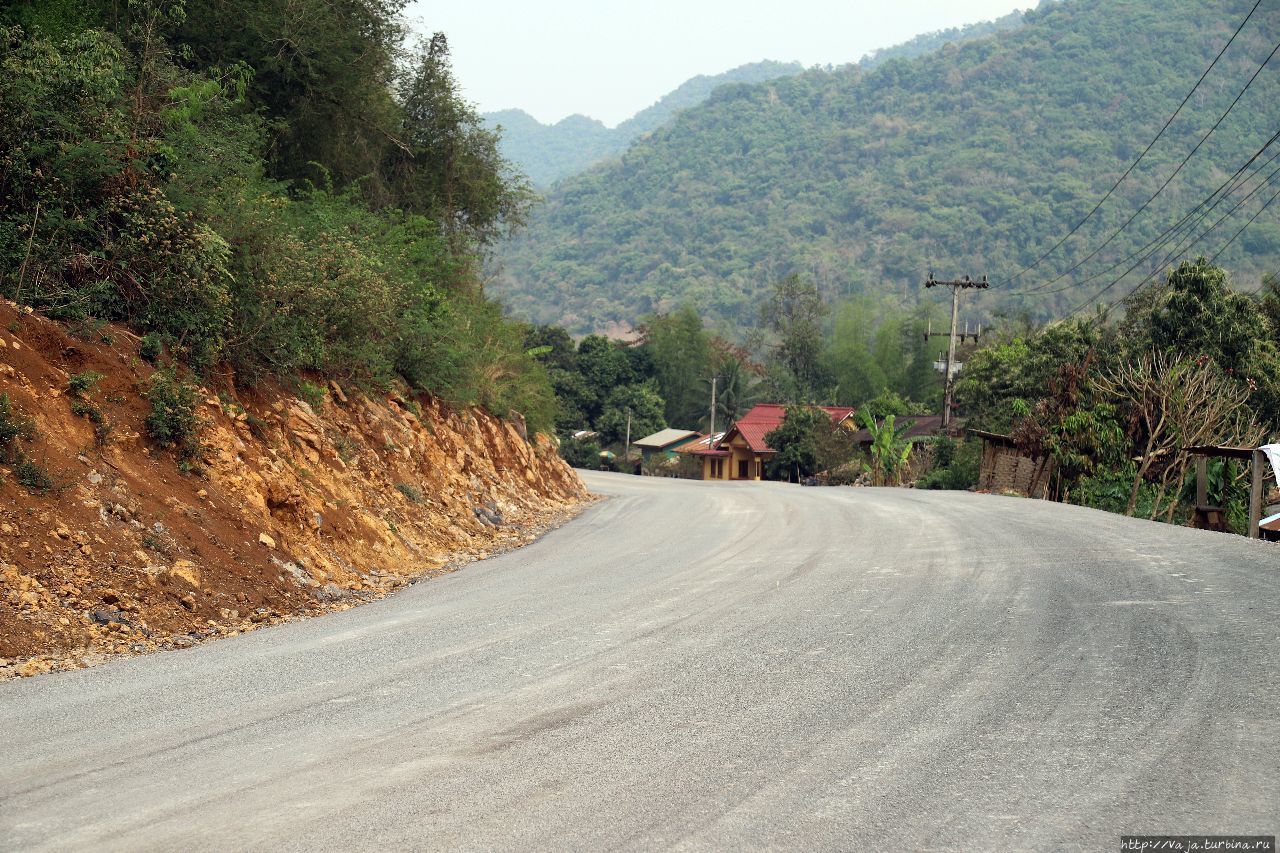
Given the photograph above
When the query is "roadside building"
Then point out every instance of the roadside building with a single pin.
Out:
(918, 427)
(706, 442)
(742, 452)
(665, 443)
(1006, 468)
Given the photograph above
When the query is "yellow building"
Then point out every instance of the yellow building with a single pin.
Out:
(742, 452)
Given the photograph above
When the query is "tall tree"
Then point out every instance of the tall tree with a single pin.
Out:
(858, 375)
(796, 442)
(922, 382)
(323, 75)
(793, 313)
(604, 368)
(738, 388)
(681, 355)
(1196, 313)
(448, 166)
(641, 403)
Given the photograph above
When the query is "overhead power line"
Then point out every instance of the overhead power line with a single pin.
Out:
(1167, 181)
(1182, 248)
(1243, 227)
(1144, 153)
(1189, 220)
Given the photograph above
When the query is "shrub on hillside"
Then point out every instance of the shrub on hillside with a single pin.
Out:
(172, 419)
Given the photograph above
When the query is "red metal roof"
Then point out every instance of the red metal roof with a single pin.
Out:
(766, 417)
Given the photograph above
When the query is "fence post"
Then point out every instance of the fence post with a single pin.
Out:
(1255, 494)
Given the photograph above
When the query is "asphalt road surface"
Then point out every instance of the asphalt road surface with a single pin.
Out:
(704, 666)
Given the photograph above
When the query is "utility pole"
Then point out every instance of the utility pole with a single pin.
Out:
(626, 448)
(712, 435)
(956, 286)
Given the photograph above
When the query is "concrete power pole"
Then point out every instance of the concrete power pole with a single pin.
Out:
(712, 435)
(947, 384)
(626, 448)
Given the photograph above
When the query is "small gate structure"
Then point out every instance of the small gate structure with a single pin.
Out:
(1208, 517)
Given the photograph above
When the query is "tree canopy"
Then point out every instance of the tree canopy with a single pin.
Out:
(262, 188)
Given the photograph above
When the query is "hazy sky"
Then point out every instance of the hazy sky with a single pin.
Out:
(609, 59)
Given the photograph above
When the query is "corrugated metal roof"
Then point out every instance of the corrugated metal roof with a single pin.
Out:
(701, 445)
(766, 417)
(664, 437)
(1220, 450)
(925, 425)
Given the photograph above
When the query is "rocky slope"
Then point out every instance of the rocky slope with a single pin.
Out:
(292, 509)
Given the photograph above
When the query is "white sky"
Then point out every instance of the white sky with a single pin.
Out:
(609, 59)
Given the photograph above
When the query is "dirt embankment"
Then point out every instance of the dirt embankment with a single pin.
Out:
(295, 509)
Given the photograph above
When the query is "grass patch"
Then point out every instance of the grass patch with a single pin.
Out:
(412, 493)
(345, 447)
(258, 427)
(79, 387)
(81, 384)
(12, 427)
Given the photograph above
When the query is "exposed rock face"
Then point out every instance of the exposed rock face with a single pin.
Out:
(297, 509)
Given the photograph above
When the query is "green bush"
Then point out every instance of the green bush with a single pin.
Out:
(31, 476)
(955, 464)
(314, 395)
(12, 427)
(91, 413)
(584, 453)
(151, 348)
(82, 383)
(172, 419)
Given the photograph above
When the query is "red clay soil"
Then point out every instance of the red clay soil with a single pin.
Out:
(291, 510)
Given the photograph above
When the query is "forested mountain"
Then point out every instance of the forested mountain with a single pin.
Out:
(547, 153)
(973, 160)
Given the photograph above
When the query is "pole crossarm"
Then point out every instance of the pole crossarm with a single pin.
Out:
(965, 283)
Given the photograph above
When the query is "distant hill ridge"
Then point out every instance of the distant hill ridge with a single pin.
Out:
(972, 160)
(547, 153)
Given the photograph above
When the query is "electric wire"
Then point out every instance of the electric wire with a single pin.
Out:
(1144, 153)
(1197, 213)
(1166, 183)
(1181, 249)
(1243, 227)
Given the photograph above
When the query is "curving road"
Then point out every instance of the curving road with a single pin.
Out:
(704, 666)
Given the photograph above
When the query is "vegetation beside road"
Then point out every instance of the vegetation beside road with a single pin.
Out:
(262, 189)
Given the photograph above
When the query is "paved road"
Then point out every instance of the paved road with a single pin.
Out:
(704, 666)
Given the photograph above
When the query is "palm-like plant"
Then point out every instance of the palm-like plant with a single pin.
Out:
(739, 390)
(890, 449)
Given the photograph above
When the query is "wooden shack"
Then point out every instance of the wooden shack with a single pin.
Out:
(1005, 468)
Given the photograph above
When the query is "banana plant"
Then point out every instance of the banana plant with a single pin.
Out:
(890, 449)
